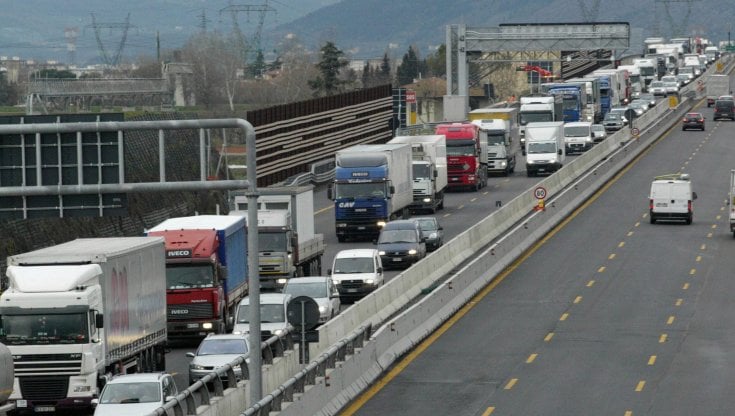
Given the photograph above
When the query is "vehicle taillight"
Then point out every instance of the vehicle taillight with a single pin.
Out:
(650, 204)
(684, 119)
(701, 120)
(689, 205)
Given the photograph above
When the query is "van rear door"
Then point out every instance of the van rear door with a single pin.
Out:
(671, 197)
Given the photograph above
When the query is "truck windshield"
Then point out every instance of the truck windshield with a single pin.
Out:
(354, 265)
(269, 313)
(570, 103)
(360, 190)
(538, 148)
(495, 138)
(460, 150)
(39, 329)
(532, 117)
(183, 276)
(272, 242)
(421, 171)
(647, 71)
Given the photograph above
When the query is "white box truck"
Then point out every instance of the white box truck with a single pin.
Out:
(716, 86)
(77, 313)
(544, 147)
(539, 109)
(429, 168)
(288, 245)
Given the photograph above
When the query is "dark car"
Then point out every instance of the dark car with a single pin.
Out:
(693, 121)
(724, 109)
(401, 244)
(432, 231)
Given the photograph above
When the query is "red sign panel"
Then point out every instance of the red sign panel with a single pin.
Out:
(410, 96)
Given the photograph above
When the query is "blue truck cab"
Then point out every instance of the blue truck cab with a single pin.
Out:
(605, 93)
(573, 98)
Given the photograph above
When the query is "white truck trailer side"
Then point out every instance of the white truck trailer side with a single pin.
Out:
(429, 166)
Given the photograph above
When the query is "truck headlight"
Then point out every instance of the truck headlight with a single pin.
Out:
(381, 253)
(471, 177)
(381, 224)
(279, 332)
(427, 200)
(281, 281)
(207, 325)
(369, 281)
(412, 252)
(336, 282)
(503, 163)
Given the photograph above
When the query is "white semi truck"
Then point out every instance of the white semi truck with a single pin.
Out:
(77, 313)
(429, 166)
(544, 147)
(287, 243)
(539, 109)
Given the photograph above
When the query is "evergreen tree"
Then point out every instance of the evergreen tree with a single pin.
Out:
(332, 62)
(384, 76)
(409, 68)
(258, 67)
(367, 76)
(436, 63)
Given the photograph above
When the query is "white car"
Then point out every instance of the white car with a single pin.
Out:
(135, 394)
(273, 315)
(356, 272)
(319, 288)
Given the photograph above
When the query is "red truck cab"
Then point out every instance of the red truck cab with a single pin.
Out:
(194, 294)
(466, 160)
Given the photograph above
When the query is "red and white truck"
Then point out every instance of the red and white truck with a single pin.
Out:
(466, 155)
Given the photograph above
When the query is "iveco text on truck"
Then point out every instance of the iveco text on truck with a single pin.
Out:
(372, 186)
(206, 272)
(429, 167)
(79, 312)
(287, 243)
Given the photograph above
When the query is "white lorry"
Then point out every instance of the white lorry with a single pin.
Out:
(539, 109)
(429, 166)
(716, 85)
(79, 312)
(6, 380)
(544, 147)
(288, 245)
(647, 68)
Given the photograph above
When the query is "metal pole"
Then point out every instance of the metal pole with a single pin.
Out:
(303, 332)
(256, 387)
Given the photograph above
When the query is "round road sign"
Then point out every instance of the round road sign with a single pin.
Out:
(634, 131)
(539, 192)
(303, 313)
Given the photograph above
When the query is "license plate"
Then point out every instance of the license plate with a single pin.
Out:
(21, 403)
(192, 326)
(541, 170)
(351, 290)
(44, 409)
(662, 204)
(360, 228)
(455, 179)
(395, 259)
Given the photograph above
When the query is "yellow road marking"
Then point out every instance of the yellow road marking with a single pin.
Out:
(590, 283)
(679, 302)
(473, 199)
(662, 338)
(698, 259)
(703, 247)
(686, 286)
(531, 358)
(714, 226)
(652, 360)
(630, 233)
(486, 192)
(564, 316)
(621, 244)
(709, 235)
(670, 320)
(611, 256)
(693, 271)
(511, 383)
(718, 217)
(601, 269)
(460, 207)
(446, 215)
(628, 413)
(640, 385)
(637, 224)
(325, 209)
(577, 299)
(488, 411)
(549, 336)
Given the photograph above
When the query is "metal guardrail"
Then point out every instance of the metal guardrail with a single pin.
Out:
(320, 172)
(308, 376)
(215, 383)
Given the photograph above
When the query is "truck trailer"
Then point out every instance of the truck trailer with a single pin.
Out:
(372, 186)
(288, 245)
(716, 86)
(429, 169)
(206, 272)
(77, 313)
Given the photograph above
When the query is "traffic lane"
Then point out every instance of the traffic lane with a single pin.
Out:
(177, 363)
(532, 302)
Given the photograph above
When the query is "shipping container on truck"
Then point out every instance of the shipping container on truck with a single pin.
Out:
(79, 312)
(429, 166)
(206, 272)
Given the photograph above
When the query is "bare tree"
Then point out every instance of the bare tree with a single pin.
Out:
(216, 61)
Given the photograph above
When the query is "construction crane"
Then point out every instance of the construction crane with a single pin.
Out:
(543, 73)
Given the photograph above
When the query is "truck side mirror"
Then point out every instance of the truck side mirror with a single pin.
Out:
(99, 321)
(222, 272)
(392, 189)
(436, 174)
(558, 151)
(523, 151)
(329, 193)
(329, 272)
(694, 195)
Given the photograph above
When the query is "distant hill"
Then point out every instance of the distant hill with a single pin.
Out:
(368, 28)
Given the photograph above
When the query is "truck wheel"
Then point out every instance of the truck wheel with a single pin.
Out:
(653, 220)
(441, 204)
(340, 238)
(689, 220)
(529, 173)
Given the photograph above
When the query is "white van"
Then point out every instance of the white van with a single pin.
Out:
(578, 136)
(671, 198)
(356, 272)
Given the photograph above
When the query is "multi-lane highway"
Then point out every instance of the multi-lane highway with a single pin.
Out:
(607, 315)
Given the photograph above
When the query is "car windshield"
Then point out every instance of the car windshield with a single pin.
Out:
(123, 393)
(269, 242)
(353, 265)
(612, 117)
(310, 289)
(222, 346)
(397, 236)
(655, 84)
(576, 131)
(427, 224)
(269, 313)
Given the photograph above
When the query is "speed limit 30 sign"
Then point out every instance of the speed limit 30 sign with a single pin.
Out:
(539, 192)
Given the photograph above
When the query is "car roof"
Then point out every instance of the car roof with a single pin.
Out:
(225, 336)
(307, 279)
(400, 225)
(356, 252)
(137, 378)
(577, 123)
(269, 298)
